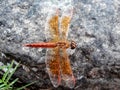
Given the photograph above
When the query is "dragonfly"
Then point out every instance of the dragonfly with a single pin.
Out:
(57, 60)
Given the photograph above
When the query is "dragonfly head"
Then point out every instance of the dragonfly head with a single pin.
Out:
(73, 45)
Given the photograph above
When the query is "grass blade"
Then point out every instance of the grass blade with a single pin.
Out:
(2, 85)
(14, 81)
(23, 87)
(9, 76)
(1, 81)
(2, 67)
(6, 88)
(7, 72)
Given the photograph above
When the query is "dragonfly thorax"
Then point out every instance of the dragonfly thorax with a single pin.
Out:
(63, 44)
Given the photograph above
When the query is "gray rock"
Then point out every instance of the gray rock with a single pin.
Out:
(95, 27)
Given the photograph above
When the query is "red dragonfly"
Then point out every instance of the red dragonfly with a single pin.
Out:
(57, 61)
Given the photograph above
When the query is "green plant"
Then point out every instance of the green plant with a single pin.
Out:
(5, 83)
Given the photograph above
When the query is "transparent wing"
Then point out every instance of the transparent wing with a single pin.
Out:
(53, 66)
(65, 22)
(66, 70)
(52, 55)
(51, 27)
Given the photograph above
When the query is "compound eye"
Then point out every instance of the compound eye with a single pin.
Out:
(73, 45)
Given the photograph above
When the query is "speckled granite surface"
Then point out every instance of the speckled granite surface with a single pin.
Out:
(95, 27)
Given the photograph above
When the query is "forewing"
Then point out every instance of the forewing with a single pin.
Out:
(51, 27)
(53, 66)
(66, 70)
(65, 22)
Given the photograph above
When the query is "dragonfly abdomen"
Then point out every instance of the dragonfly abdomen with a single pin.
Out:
(42, 45)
